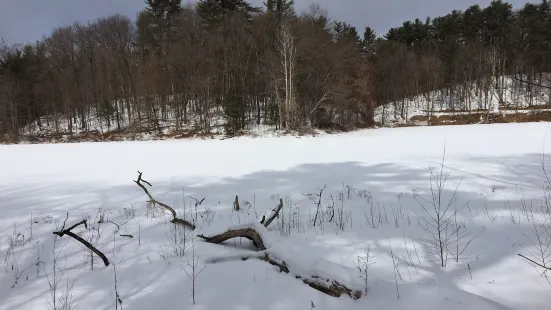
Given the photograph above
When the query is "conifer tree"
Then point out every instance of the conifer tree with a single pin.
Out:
(213, 11)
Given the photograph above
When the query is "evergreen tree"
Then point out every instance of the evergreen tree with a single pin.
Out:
(368, 40)
(213, 11)
(473, 22)
(156, 21)
(282, 9)
(344, 30)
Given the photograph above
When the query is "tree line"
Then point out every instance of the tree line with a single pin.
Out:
(227, 62)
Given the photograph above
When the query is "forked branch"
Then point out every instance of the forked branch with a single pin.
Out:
(175, 219)
(87, 244)
(248, 233)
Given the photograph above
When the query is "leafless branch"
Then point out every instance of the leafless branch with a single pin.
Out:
(175, 219)
(79, 239)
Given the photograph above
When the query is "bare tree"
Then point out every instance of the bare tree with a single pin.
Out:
(438, 215)
(194, 269)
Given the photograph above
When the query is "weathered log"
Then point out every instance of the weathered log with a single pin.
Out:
(87, 244)
(248, 233)
(175, 219)
(327, 286)
(273, 216)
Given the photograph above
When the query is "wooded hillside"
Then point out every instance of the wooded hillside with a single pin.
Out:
(228, 60)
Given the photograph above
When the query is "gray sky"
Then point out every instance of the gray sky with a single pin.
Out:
(24, 21)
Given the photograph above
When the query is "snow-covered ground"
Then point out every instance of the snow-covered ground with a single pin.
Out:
(371, 177)
(513, 97)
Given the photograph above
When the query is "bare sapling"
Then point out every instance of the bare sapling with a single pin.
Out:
(316, 198)
(539, 254)
(193, 270)
(17, 246)
(179, 239)
(396, 271)
(364, 261)
(438, 215)
(197, 204)
(94, 232)
(122, 224)
(460, 240)
(59, 299)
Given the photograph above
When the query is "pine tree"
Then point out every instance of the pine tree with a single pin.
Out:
(282, 9)
(368, 40)
(157, 20)
(344, 30)
(213, 11)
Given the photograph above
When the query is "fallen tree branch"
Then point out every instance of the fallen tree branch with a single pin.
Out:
(127, 236)
(542, 266)
(326, 286)
(175, 219)
(248, 233)
(68, 232)
(273, 215)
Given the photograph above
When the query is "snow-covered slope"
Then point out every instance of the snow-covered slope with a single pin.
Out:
(509, 96)
(370, 177)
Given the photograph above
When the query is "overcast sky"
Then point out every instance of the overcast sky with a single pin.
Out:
(24, 21)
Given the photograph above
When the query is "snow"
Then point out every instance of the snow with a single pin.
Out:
(370, 176)
(516, 98)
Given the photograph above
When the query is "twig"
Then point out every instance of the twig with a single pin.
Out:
(318, 203)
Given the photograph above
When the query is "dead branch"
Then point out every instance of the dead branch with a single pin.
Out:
(272, 216)
(127, 236)
(175, 219)
(197, 201)
(248, 233)
(87, 244)
(326, 286)
(236, 203)
(526, 258)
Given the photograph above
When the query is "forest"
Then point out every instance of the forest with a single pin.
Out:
(228, 60)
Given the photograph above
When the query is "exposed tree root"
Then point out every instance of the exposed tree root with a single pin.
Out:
(68, 232)
(175, 219)
(248, 233)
